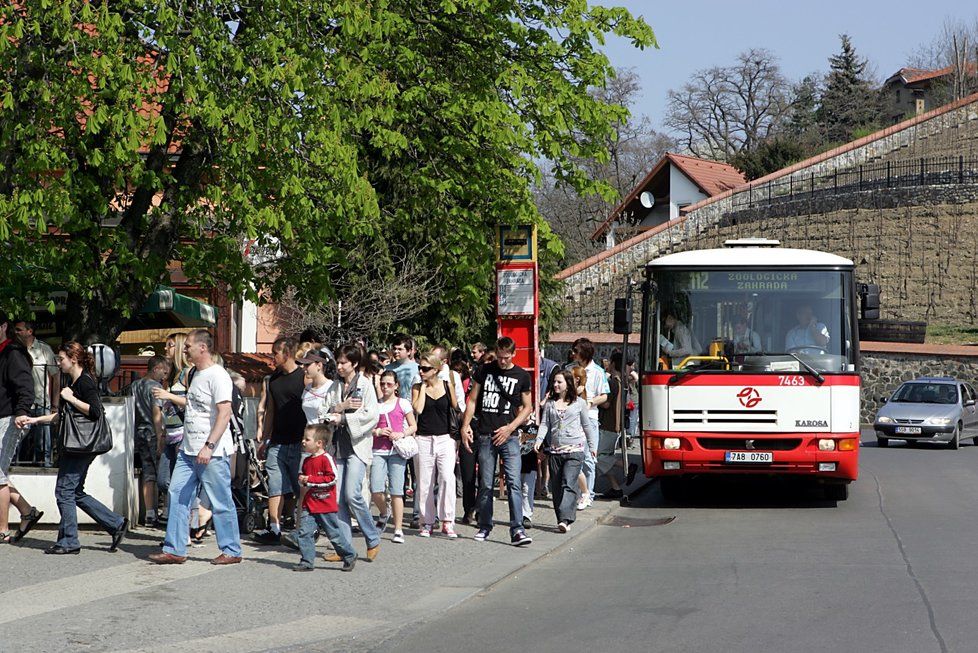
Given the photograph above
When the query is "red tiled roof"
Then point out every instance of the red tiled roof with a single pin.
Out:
(710, 176)
(253, 367)
(906, 124)
(713, 177)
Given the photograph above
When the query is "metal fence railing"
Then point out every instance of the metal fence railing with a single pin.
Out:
(890, 174)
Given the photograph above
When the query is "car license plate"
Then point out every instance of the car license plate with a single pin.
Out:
(909, 430)
(749, 457)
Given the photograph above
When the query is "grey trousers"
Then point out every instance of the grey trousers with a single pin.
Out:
(564, 470)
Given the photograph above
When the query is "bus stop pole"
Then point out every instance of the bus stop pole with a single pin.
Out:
(623, 385)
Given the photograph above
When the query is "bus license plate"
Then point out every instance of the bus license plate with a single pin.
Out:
(760, 457)
(909, 430)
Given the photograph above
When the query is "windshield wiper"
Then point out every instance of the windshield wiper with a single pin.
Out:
(808, 368)
(690, 370)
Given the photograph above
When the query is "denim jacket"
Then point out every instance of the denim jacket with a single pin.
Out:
(575, 429)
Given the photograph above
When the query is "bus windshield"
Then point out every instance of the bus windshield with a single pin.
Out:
(752, 319)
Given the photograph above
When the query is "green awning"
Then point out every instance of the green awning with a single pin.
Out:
(166, 308)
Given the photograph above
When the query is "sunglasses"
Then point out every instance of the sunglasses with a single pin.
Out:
(425, 368)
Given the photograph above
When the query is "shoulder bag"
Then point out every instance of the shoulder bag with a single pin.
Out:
(80, 435)
(454, 413)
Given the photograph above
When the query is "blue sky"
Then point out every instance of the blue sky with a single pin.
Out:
(698, 34)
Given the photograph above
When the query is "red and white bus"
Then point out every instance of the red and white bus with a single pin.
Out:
(750, 362)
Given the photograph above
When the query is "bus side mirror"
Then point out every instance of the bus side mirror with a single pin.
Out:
(623, 316)
(869, 301)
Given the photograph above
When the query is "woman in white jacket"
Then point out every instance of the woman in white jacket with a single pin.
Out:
(355, 417)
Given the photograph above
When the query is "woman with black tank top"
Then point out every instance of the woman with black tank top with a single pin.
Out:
(80, 396)
(432, 402)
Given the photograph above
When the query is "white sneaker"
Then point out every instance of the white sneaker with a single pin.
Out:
(398, 537)
(448, 531)
(584, 502)
(563, 527)
(425, 531)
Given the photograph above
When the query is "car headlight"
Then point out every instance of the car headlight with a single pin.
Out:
(939, 421)
(883, 419)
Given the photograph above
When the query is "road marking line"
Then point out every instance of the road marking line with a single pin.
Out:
(50, 596)
(293, 633)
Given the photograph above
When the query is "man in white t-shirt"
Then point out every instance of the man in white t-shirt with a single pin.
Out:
(205, 457)
(809, 335)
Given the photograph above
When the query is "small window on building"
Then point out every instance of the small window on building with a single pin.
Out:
(899, 98)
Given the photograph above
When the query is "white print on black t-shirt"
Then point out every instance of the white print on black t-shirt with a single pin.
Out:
(492, 397)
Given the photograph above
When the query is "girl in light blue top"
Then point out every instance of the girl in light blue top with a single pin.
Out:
(566, 429)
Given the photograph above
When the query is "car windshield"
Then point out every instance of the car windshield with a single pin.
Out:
(926, 393)
(760, 319)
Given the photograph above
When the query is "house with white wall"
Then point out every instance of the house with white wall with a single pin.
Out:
(675, 182)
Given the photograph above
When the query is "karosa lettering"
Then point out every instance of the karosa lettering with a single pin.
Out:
(811, 423)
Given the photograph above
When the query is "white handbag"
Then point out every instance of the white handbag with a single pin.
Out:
(406, 447)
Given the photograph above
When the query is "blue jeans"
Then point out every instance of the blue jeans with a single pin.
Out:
(282, 463)
(330, 525)
(168, 460)
(69, 492)
(509, 452)
(387, 472)
(589, 463)
(215, 477)
(350, 473)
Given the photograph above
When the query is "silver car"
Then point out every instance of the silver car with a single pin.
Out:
(929, 409)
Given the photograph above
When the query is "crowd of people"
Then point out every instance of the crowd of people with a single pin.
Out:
(340, 431)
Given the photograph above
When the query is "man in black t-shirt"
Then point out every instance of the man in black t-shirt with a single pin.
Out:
(284, 439)
(500, 399)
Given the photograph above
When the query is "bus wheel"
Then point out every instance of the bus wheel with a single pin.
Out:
(672, 487)
(837, 492)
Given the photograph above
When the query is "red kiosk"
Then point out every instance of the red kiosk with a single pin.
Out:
(517, 295)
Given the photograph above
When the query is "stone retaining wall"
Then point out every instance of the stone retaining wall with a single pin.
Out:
(907, 239)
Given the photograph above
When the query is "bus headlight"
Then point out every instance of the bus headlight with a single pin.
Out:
(826, 445)
(671, 444)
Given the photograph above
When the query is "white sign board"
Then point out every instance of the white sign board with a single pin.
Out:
(515, 291)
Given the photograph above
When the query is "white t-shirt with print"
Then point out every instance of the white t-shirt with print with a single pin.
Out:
(208, 388)
(316, 401)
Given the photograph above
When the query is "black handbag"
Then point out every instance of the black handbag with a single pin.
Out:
(80, 435)
(454, 414)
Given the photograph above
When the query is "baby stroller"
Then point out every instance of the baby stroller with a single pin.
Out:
(249, 488)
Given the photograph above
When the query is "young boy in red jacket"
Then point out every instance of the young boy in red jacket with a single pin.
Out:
(318, 501)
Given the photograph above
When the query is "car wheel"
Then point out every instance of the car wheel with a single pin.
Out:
(672, 488)
(955, 442)
(837, 492)
(882, 443)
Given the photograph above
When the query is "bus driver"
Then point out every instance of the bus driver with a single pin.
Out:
(809, 333)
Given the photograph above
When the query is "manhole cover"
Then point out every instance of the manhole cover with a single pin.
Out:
(634, 522)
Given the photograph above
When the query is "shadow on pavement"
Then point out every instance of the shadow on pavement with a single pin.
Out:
(739, 493)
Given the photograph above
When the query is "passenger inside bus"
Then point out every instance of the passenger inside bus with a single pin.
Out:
(677, 341)
(809, 335)
(745, 339)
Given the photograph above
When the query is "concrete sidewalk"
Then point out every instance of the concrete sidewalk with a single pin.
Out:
(103, 601)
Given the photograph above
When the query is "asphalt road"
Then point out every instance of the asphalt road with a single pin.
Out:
(763, 566)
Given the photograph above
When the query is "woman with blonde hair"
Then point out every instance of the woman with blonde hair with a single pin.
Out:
(433, 400)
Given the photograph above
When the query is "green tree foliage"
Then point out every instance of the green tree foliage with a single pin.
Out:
(850, 100)
(771, 155)
(141, 132)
